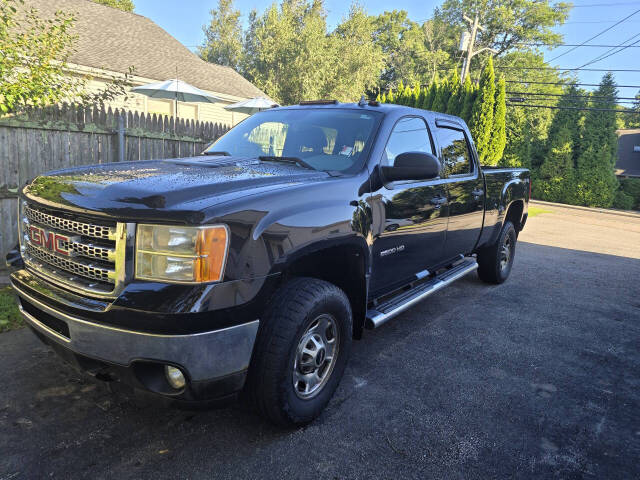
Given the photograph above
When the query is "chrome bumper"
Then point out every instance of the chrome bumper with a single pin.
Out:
(204, 356)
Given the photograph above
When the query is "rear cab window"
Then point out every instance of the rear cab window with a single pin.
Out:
(455, 152)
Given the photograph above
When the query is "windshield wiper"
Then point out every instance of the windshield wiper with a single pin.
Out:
(296, 160)
(218, 154)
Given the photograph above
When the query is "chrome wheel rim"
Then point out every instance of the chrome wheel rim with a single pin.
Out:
(505, 254)
(316, 356)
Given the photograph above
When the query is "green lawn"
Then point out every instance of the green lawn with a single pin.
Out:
(533, 211)
(10, 318)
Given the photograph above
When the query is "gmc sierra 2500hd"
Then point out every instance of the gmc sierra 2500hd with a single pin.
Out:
(251, 268)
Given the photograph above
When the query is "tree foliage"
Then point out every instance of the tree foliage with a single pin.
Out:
(285, 50)
(124, 5)
(468, 99)
(33, 63)
(289, 53)
(453, 103)
(556, 181)
(498, 138)
(596, 181)
(527, 128)
(355, 61)
(630, 187)
(442, 97)
(223, 36)
(412, 52)
(508, 24)
(633, 121)
(482, 112)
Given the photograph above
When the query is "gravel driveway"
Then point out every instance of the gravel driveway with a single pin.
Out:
(536, 378)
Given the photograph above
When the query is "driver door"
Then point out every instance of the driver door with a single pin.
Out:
(409, 217)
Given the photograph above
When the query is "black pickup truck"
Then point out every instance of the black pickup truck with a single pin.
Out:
(251, 268)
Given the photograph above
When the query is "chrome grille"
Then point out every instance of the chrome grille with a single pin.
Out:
(91, 258)
(73, 267)
(93, 251)
(69, 226)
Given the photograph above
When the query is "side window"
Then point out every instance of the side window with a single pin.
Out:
(409, 135)
(454, 151)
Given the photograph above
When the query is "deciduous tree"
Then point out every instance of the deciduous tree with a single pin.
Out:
(508, 24)
(124, 5)
(33, 61)
(223, 36)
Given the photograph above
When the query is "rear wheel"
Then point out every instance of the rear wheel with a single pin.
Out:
(495, 261)
(301, 351)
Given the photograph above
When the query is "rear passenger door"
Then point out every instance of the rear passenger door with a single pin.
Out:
(465, 189)
(409, 217)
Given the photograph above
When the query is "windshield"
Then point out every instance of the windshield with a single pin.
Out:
(325, 139)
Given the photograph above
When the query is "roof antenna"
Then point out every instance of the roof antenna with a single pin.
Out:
(362, 102)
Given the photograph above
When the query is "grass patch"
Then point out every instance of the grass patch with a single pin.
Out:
(10, 318)
(534, 211)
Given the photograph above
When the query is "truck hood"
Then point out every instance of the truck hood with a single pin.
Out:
(171, 189)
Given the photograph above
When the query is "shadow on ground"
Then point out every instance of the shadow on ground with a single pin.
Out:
(538, 377)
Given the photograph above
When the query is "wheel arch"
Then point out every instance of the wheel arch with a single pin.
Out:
(345, 264)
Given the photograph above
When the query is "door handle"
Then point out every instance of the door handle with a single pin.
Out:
(477, 192)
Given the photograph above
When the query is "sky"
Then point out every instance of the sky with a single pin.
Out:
(184, 20)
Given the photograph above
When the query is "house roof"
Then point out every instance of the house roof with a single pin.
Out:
(114, 40)
(628, 163)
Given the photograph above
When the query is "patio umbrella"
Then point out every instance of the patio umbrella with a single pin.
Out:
(176, 90)
(252, 105)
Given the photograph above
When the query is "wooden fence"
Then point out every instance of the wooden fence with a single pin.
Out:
(66, 136)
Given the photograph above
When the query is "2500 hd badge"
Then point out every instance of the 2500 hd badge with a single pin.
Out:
(251, 268)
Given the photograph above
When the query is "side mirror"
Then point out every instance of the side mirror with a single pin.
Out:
(413, 166)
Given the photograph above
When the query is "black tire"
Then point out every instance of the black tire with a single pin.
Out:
(293, 310)
(491, 265)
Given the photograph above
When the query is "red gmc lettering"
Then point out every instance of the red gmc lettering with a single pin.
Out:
(34, 233)
(50, 240)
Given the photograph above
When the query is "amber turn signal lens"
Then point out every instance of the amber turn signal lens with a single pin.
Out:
(211, 248)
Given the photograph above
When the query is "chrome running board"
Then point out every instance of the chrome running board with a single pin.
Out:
(384, 311)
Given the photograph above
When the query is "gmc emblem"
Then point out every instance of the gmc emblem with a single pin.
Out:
(54, 242)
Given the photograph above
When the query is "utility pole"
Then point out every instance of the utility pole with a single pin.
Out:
(469, 42)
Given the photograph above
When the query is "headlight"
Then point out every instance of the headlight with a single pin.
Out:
(181, 254)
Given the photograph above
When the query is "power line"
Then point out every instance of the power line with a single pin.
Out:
(588, 109)
(568, 84)
(571, 69)
(596, 35)
(586, 99)
(566, 96)
(603, 56)
(618, 4)
(596, 21)
(556, 45)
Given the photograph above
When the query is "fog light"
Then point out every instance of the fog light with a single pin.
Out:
(175, 377)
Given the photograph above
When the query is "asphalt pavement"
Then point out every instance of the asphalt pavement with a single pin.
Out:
(535, 378)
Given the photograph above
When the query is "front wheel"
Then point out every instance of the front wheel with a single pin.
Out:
(495, 261)
(301, 351)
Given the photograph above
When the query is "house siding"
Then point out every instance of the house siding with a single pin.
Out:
(207, 112)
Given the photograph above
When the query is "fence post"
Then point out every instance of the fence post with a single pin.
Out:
(121, 143)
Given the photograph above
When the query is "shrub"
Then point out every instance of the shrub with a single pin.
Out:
(631, 187)
(623, 201)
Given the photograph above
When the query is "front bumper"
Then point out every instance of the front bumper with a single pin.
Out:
(214, 362)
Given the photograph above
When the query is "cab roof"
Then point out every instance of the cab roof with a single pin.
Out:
(369, 105)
